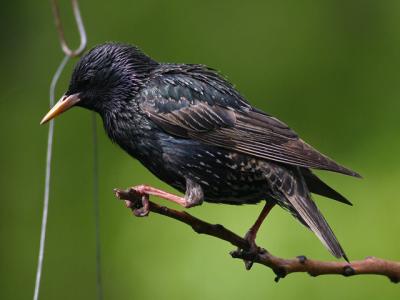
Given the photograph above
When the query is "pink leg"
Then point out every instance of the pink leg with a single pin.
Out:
(149, 190)
(252, 233)
(137, 198)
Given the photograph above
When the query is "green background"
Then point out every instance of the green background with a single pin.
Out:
(330, 69)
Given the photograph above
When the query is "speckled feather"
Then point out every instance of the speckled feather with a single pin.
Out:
(193, 130)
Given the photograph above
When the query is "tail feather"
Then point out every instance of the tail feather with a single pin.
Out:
(317, 186)
(304, 208)
(311, 216)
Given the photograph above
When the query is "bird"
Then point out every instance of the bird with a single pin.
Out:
(192, 129)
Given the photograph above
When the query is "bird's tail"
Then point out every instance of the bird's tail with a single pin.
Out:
(304, 208)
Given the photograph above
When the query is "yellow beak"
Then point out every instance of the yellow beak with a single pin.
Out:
(65, 103)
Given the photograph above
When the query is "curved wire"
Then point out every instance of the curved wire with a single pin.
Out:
(82, 33)
(47, 180)
(68, 54)
(96, 208)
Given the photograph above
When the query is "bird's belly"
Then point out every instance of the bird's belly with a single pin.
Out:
(225, 176)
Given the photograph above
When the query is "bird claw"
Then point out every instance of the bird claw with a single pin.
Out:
(252, 252)
(138, 202)
(141, 212)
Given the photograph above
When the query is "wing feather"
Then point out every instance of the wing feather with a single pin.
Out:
(192, 112)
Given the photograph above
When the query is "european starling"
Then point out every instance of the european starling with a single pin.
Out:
(192, 129)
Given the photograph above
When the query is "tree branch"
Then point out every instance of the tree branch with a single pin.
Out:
(281, 267)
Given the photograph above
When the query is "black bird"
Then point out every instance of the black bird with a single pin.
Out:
(193, 130)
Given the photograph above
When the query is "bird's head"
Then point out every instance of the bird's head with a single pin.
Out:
(106, 76)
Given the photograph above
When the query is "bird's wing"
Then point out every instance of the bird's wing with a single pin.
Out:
(192, 107)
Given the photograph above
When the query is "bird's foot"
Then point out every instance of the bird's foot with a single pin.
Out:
(134, 199)
(251, 252)
(141, 194)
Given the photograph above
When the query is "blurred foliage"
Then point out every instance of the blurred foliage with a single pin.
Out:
(330, 69)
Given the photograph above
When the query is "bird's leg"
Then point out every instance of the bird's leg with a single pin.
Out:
(194, 193)
(137, 197)
(251, 234)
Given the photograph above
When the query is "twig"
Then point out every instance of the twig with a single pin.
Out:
(281, 267)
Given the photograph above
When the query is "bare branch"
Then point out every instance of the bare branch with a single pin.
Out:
(281, 267)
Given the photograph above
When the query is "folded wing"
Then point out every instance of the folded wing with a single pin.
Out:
(200, 112)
